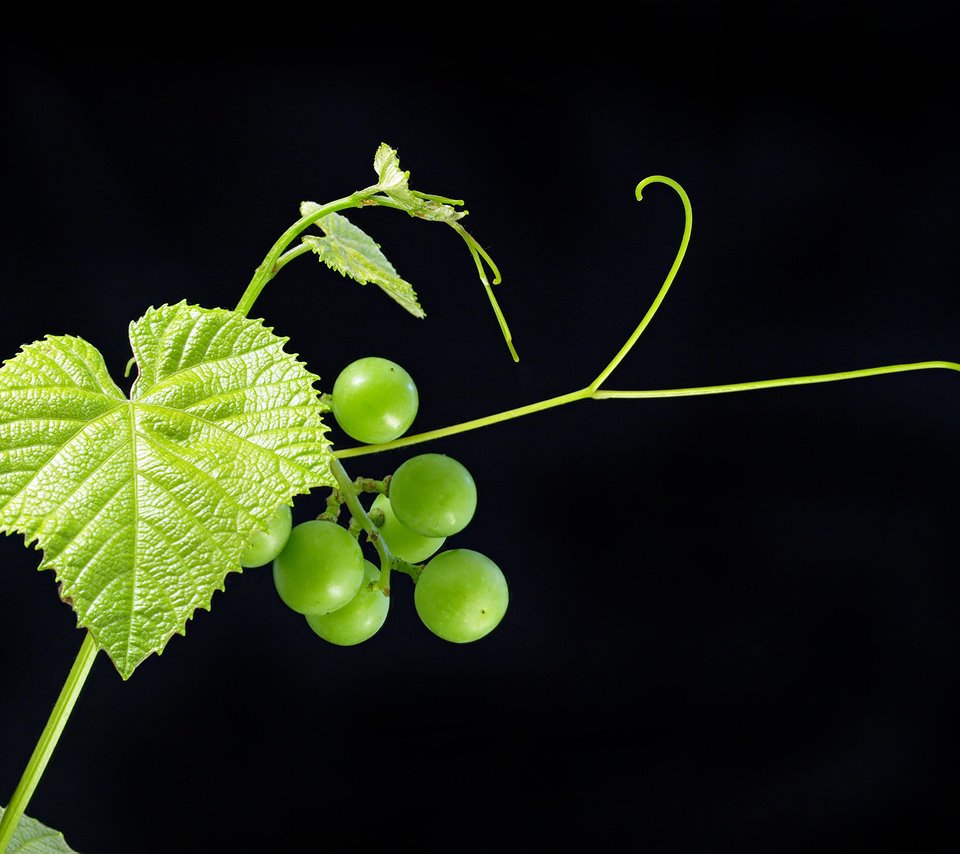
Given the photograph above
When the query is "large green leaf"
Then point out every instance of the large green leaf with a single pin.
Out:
(142, 506)
(32, 837)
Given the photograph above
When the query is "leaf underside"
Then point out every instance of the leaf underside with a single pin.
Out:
(142, 505)
(33, 837)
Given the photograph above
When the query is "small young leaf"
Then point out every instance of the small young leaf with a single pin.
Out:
(32, 837)
(142, 506)
(352, 252)
(387, 166)
(394, 182)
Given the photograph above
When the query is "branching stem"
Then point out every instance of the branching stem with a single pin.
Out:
(594, 391)
(274, 259)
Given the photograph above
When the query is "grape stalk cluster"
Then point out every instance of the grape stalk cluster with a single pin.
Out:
(320, 569)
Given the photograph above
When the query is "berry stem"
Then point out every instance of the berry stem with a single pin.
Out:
(48, 740)
(348, 491)
(411, 569)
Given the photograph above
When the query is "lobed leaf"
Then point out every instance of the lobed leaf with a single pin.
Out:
(33, 837)
(142, 505)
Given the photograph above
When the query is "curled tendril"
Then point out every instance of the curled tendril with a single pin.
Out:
(684, 242)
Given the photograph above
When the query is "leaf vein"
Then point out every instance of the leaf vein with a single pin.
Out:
(233, 357)
(220, 428)
(223, 396)
(114, 577)
(60, 450)
(198, 524)
(186, 341)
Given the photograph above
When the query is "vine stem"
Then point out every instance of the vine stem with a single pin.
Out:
(272, 263)
(278, 256)
(607, 394)
(590, 393)
(48, 739)
(464, 426)
(581, 394)
(594, 391)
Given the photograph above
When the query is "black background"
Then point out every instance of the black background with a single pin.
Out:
(733, 618)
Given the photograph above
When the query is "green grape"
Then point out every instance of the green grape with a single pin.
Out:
(461, 595)
(374, 400)
(402, 542)
(360, 619)
(267, 542)
(433, 495)
(320, 568)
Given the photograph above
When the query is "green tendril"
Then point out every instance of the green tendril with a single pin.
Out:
(593, 390)
(480, 256)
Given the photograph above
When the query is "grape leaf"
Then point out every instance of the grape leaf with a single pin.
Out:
(350, 251)
(32, 837)
(142, 506)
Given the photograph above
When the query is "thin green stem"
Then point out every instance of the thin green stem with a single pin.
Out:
(289, 255)
(684, 242)
(589, 393)
(271, 263)
(48, 740)
(463, 427)
(443, 200)
(349, 493)
(607, 394)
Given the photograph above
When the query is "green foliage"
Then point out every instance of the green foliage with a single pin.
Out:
(32, 837)
(395, 183)
(352, 252)
(142, 506)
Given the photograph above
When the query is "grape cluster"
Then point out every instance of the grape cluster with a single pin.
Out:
(320, 569)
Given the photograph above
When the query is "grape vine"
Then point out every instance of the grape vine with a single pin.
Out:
(144, 504)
